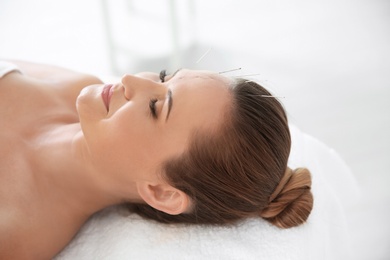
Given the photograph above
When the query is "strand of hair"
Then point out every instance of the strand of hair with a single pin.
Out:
(270, 96)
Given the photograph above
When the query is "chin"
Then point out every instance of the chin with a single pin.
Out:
(90, 107)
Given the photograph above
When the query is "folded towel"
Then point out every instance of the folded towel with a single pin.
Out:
(115, 233)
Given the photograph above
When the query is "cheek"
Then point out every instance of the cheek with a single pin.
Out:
(127, 126)
(129, 136)
(128, 141)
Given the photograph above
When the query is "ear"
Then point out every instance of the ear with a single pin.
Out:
(164, 197)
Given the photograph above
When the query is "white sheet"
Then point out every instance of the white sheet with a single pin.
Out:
(7, 67)
(116, 234)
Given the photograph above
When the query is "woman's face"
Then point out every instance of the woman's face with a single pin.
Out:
(132, 127)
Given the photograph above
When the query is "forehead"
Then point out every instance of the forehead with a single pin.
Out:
(202, 76)
(200, 84)
(201, 96)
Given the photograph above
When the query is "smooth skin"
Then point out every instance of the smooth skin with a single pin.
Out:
(64, 155)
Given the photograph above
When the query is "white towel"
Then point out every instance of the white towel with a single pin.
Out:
(7, 67)
(116, 234)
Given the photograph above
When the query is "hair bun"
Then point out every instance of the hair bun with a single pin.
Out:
(292, 201)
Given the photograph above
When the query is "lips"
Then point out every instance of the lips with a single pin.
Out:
(106, 95)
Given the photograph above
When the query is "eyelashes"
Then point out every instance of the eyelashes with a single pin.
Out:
(163, 74)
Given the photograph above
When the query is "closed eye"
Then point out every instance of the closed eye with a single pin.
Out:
(152, 107)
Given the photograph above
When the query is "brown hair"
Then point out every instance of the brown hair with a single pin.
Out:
(240, 170)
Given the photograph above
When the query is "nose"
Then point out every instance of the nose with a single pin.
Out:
(141, 83)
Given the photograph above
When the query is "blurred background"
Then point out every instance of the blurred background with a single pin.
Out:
(330, 59)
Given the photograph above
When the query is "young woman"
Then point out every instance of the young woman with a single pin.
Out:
(192, 146)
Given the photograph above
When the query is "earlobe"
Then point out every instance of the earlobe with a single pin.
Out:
(164, 197)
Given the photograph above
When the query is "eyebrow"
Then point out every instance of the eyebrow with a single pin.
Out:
(176, 72)
(169, 96)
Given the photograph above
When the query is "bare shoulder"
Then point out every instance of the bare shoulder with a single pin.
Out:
(61, 83)
(56, 76)
(52, 73)
(49, 72)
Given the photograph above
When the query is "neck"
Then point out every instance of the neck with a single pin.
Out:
(64, 174)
